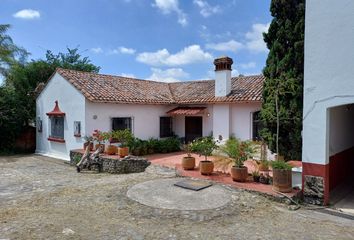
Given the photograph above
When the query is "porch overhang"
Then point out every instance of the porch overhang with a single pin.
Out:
(186, 111)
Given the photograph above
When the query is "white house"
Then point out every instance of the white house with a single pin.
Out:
(328, 115)
(74, 104)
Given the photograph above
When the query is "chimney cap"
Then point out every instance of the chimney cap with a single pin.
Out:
(223, 63)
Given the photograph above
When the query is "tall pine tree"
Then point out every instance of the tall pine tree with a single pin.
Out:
(283, 88)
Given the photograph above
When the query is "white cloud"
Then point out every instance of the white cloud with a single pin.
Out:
(235, 73)
(125, 50)
(188, 55)
(97, 50)
(170, 6)
(255, 42)
(248, 65)
(168, 75)
(27, 14)
(206, 9)
(122, 50)
(128, 75)
(231, 45)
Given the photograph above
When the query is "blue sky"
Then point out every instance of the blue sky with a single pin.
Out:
(165, 40)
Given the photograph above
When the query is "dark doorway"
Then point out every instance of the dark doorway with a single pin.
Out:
(193, 128)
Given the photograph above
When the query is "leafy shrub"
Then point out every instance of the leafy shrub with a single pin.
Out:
(204, 146)
(122, 136)
(143, 147)
(282, 165)
(76, 158)
(239, 151)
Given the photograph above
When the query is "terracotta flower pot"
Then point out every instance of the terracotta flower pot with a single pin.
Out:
(206, 167)
(123, 151)
(111, 150)
(188, 163)
(88, 144)
(98, 145)
(282, 181)
(239, 174)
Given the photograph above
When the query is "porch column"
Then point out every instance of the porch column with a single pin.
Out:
(221, 121)
(315, 172)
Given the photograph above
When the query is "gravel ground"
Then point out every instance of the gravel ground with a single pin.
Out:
(43, 198)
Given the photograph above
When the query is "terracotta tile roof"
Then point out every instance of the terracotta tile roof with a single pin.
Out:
(107, 88)
(186, 110)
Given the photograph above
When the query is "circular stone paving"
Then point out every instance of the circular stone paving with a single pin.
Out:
(162, 193)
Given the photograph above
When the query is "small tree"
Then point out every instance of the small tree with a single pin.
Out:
(204, 146)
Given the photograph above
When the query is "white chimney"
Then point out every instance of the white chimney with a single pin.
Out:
(222, 76)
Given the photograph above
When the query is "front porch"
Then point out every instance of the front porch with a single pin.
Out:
(190, 122)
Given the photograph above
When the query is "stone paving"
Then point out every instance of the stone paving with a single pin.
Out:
(43, 198)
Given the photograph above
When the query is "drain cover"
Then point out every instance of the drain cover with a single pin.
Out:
(193, 184)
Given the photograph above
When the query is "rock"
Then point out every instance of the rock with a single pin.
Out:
(294, 207)
(313, 190)
(67, 231)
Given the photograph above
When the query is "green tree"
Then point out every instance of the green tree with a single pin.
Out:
(11, 118)
(9, 52)
(282, 93)
(17, 99)
(24, 78)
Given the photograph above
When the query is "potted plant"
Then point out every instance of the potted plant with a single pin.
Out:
(110, 149)
(88, 142)
(204, 146)
(123, 137)
(188, 162)
(282, 181)
(238, 151)
(97, 136)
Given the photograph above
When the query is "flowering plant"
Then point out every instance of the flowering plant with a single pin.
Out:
(203, 146)
(98, 136)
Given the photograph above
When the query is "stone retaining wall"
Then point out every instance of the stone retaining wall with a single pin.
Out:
(129, 164)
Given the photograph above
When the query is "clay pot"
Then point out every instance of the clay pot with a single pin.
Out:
(239, 174)
(88, 144)
(98, 145)
(188, 163)
(206, 167)
(111, 150)
(282, 181)
(123, 151)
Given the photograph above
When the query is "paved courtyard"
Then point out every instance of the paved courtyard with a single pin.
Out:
(43, 198)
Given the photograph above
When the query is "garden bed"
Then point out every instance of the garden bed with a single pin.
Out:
(116, 165)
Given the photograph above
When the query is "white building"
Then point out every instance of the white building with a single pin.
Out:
(328, 125)
(84, 102)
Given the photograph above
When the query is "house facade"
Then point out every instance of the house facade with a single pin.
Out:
(328, 115)
(73, 104)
